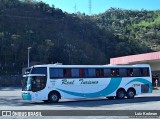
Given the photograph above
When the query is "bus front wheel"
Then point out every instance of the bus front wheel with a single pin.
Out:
(54, 97)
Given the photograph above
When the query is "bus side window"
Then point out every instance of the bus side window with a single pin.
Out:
(130, 72)
(137, 72)
(107, 72)
(81, 73)
(66, 72)
(75, 72)
(86, 73)
(91, 72)
(117, 72)
(145, 71)
(60, 72)
(113, 72)
(56, 73)
(122, 72)
(99, 72)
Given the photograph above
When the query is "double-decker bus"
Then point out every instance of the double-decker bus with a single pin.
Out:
(52, 82)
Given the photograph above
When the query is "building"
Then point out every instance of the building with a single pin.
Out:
(153, 59)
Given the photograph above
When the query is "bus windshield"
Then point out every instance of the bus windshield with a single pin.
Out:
(34, 79)
(34, 83)
(26, 84)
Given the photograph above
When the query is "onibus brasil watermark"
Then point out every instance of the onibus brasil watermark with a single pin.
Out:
(21, 113)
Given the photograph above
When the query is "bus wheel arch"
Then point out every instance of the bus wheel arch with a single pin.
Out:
(121, 93)
(54, 96)
(131, 92)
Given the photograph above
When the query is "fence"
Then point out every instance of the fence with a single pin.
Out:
(10, 81)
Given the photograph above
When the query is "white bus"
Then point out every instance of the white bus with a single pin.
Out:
(52, 82)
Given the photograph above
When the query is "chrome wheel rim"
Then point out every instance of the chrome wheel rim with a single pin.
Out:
(131, 93)
(121, 94)
(54, 97)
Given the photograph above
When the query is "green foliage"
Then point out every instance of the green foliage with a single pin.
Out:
(56, 36)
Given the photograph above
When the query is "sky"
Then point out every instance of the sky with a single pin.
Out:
(100, 6)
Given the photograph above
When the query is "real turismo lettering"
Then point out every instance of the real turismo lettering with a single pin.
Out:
(88, 82)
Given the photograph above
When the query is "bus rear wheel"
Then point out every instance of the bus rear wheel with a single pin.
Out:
(53, 97)
(45, 101)
(120, 94)
(131, 93)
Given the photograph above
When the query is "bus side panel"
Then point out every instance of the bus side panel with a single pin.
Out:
(88, 88)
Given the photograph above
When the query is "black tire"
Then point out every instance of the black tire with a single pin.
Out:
(110, 97)
(54, 97)
(45, 101)
(131, 93)
(120, 94)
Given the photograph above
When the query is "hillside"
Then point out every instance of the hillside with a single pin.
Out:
(56, 36)
(141, 26)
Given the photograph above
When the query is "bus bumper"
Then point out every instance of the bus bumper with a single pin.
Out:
(26, 96)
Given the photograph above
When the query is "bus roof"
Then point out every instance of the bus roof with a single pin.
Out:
(89, 66)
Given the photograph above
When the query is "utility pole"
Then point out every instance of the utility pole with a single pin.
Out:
(90, 6)
(75, 8)
(29, 54)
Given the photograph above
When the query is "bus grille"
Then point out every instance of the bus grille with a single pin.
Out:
(145, 88)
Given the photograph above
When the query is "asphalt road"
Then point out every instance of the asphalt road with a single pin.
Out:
(10, 99)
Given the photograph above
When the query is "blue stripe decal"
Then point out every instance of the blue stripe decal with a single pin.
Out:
(144, 81)
(111, 87)
(141, 80)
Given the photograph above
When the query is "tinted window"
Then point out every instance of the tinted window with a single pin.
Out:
(81, 72)
(55, 73)
(115, 72)
(75, 72)
(145, 71)
(91, 72)
(67, 72)
(107, 72)
(86, 74)
(38, 83)
(99, 72)
(122, 72)
(129, 72)
(39, 70)
(137, 72)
